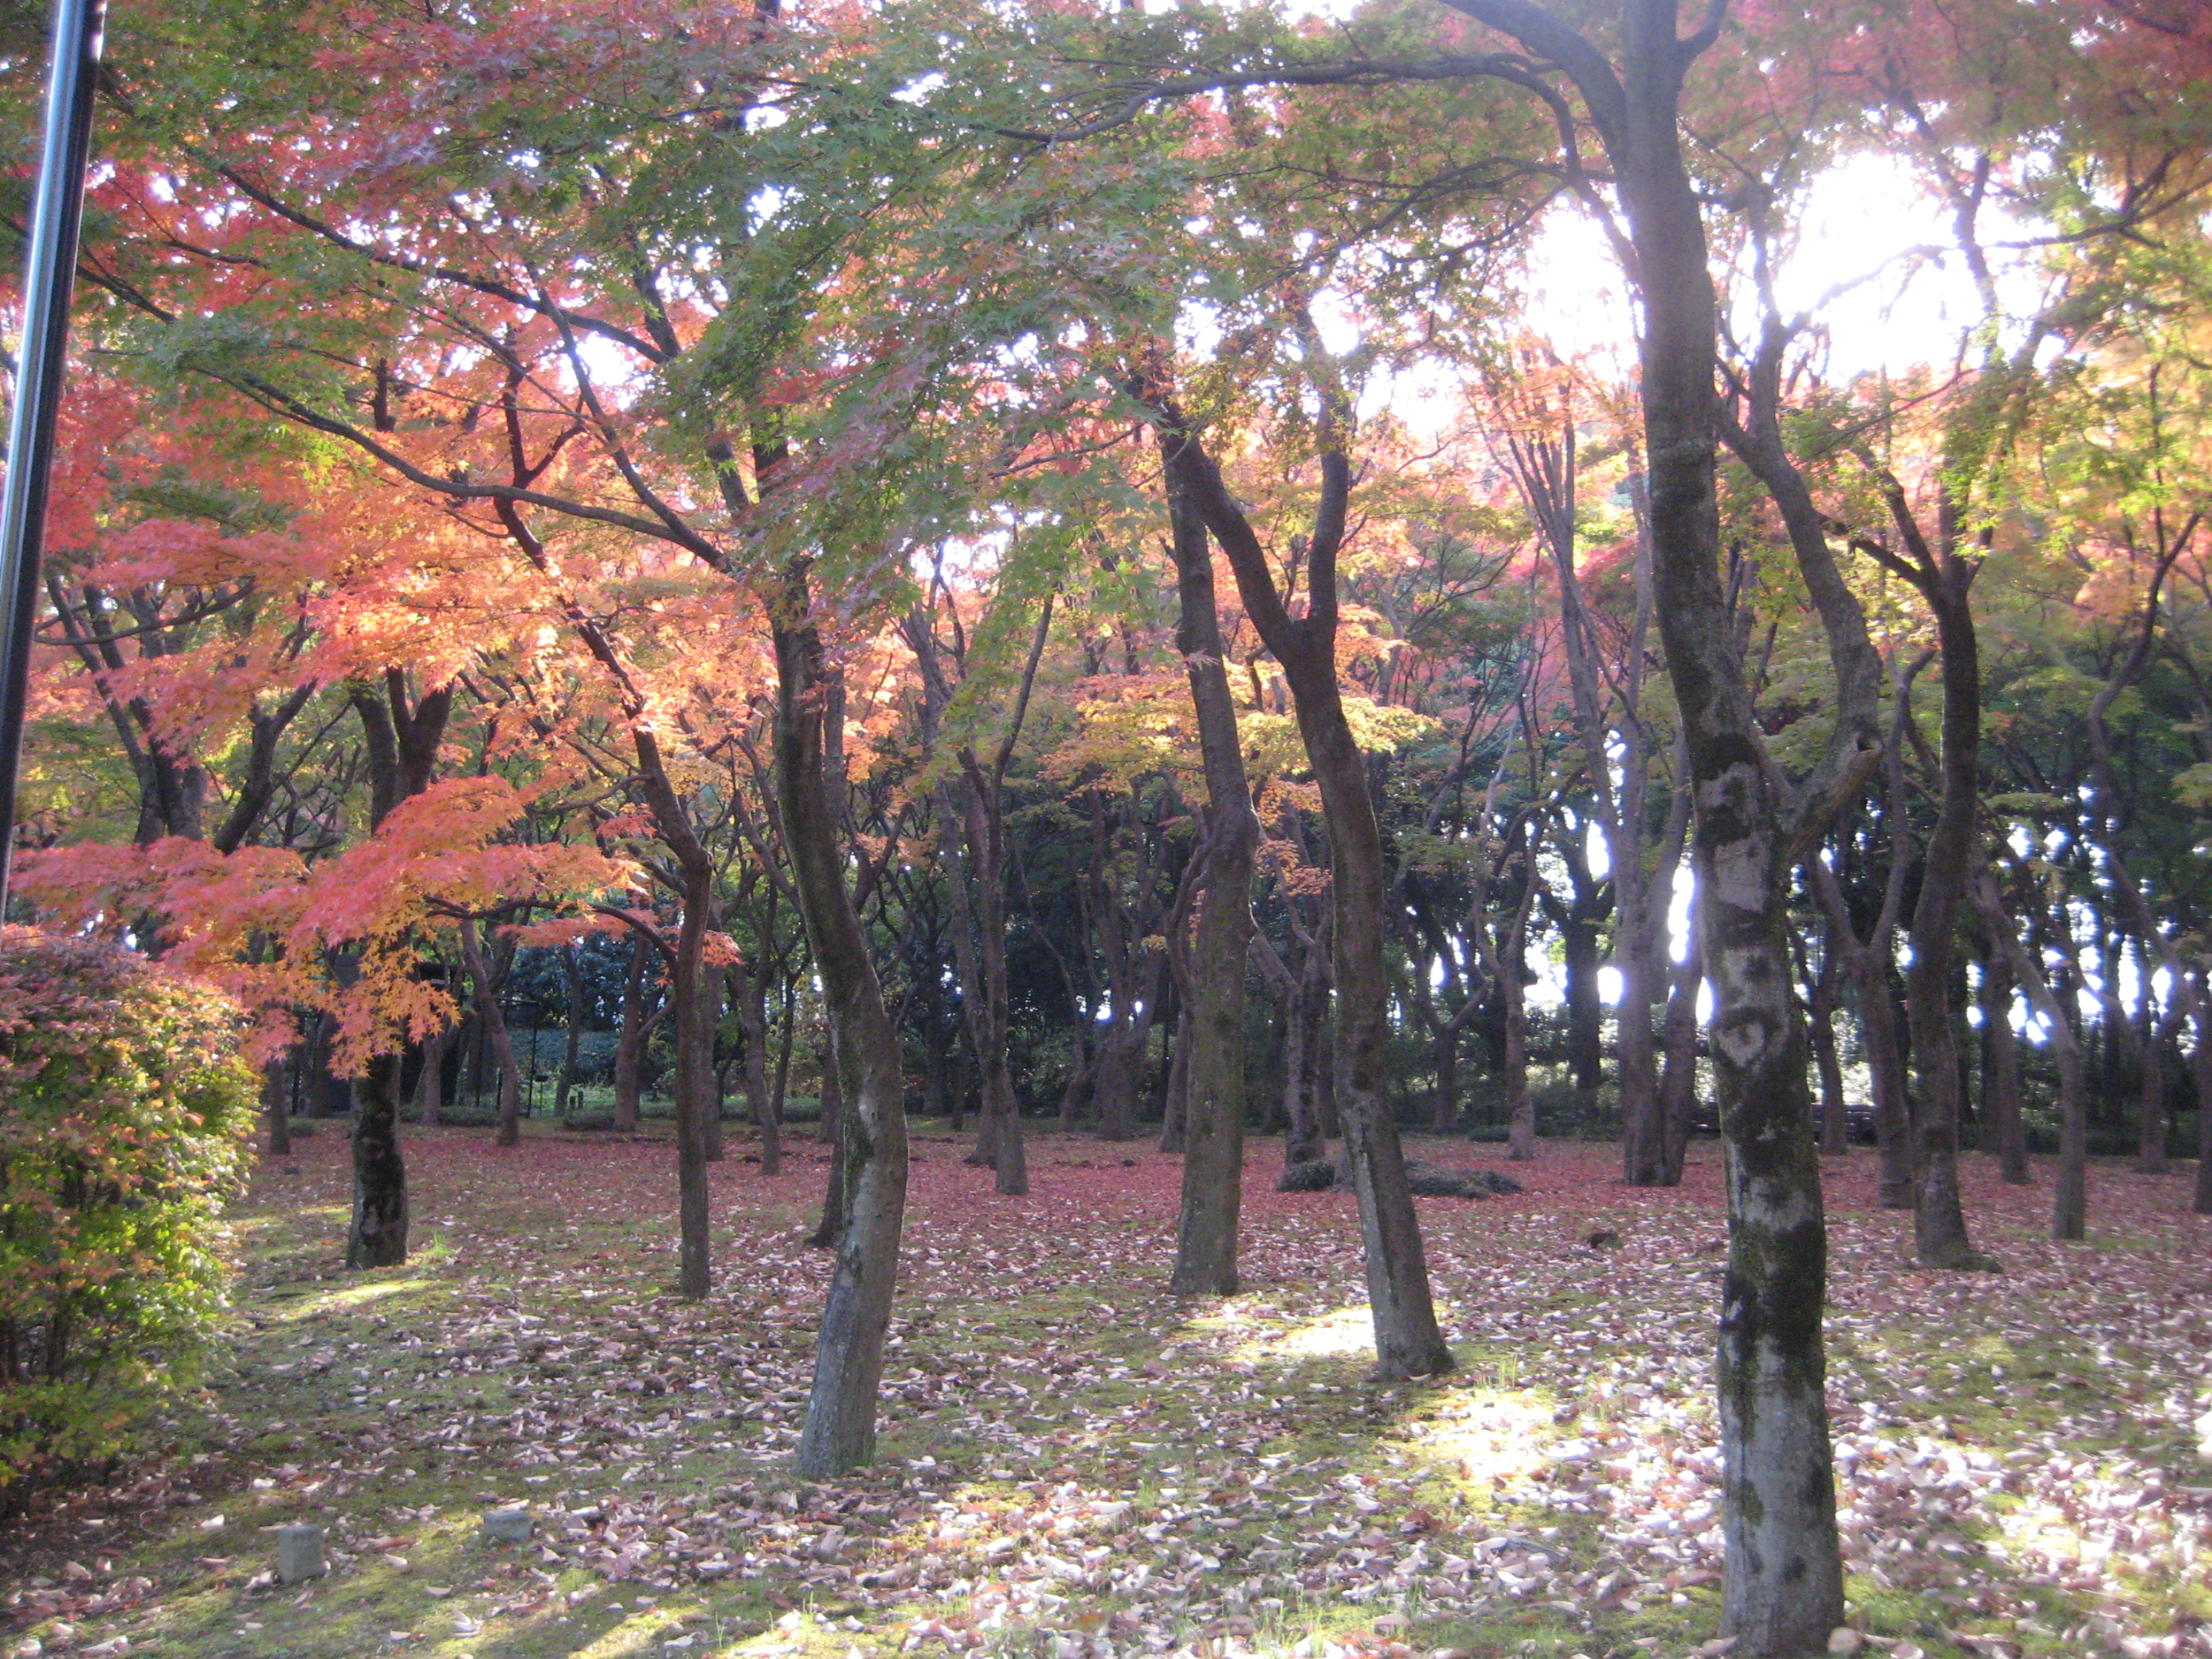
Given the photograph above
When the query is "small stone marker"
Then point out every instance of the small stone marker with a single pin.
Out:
(509, 1526)
(300, 1553)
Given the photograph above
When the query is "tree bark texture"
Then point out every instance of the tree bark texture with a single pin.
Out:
(694, 1086)
(831, 1227)
(1407, 1342)
(1939, 1216)
(1211, 1049)
(377, 1236)
(1783, 1589)
(276, 1105)
(840, 1430)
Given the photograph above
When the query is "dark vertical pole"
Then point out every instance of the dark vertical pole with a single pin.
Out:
(48, 276)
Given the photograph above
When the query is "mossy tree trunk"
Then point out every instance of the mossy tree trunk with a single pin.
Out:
(1210, 1048)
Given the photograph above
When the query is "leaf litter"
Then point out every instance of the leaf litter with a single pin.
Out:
(1074, 1465)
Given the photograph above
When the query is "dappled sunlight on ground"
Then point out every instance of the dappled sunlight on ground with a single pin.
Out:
(1074, 1465)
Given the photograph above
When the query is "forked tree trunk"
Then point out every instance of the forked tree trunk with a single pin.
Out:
(839, 1433)
(378, 1234)
(1210, 1045)
(1408, 1342)
(980, 900)
(1547, 470)
(495, 1026)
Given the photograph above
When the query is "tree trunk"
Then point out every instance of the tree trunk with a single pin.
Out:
(1892, 1128)
(980, 901)
(1408, 1342)
(630, 1046)
(711, 1070)
(1783, 1592)
(694, 1088)
(2000, 1071)
(1585, 1013)
(751, 994)
(565, 1086)
(1078, 1082)
(495, 1026)
(1177, 1101)
(276, 1104)
(1939, 1217)
(1210, 1042)
(1304, 1034)
(1643, 1153)
(378, 1234)
(832, 1127)
(430, 1084)
(2157, 1033)
(1520, 1109)
(1504, 957)
(2070, 1197)
(785, 1038)
(1678, 1084)
(840, 1430)
(1820, 1029)
(2200, 1065)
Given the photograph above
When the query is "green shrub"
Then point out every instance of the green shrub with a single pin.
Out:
(125, 1115)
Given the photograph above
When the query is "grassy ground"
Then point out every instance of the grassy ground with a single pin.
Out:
(1075, 1466)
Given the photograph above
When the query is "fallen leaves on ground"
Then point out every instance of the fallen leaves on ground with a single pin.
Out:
(1075, 1466)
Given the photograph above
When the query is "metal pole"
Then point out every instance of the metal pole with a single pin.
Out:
(49, 274)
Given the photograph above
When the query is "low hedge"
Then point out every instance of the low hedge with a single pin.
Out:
(125, 1109)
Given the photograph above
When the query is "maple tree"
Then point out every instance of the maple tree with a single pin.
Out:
(704, 477)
